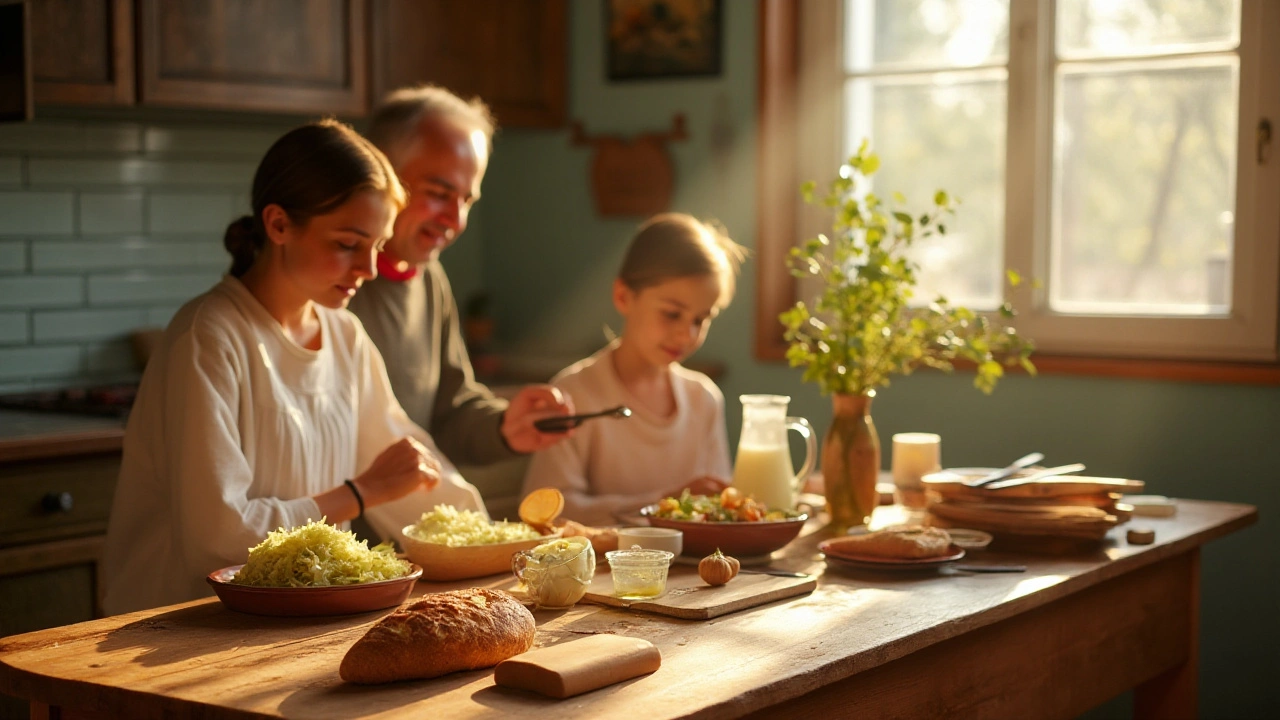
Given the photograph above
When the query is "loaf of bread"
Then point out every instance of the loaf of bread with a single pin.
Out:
(905, 543)
(438, 634)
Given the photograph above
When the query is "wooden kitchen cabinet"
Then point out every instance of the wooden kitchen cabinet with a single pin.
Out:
(53, 522)
(306, 57)
(303, 56)
(511, 53)
(82, 52)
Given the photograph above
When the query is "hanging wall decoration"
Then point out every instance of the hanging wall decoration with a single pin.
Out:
(632, 177)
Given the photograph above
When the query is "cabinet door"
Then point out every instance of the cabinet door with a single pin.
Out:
(82, 52)
(43, 586)
(511, 53)
(305, 56)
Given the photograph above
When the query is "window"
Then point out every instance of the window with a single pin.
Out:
(1116, 151)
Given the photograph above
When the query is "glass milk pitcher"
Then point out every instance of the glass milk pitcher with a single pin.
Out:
(763, 467)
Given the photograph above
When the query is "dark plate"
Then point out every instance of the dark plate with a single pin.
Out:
(311, 601)
(739, 539)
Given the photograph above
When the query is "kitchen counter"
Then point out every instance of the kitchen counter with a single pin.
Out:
(35, 435)
(1068, 634)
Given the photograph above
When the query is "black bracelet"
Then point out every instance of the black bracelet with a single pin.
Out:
(354, 491)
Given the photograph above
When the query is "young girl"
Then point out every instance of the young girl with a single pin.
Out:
(678, 274)
(265, 404)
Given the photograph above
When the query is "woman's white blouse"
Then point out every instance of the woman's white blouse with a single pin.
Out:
(234, 428)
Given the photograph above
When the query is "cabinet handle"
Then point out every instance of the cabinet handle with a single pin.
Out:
(57, 502)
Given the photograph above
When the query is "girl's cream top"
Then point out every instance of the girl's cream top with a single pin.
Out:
(613, 465)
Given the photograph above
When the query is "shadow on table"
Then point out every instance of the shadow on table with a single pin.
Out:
(324, 695)
(164, 639)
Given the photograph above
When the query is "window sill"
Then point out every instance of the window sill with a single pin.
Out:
(1199, 371)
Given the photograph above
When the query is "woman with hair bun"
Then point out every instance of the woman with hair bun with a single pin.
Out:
(266, 405)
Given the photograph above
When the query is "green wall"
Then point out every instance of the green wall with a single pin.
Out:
(548, 259)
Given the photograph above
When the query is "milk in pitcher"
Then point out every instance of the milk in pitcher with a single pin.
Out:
(764, 471)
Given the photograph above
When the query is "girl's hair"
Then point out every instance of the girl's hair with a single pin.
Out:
(675, 245)
(310, 171)
(393, 126)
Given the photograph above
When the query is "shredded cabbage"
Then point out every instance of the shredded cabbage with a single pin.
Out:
(316, 555)
(451, 527)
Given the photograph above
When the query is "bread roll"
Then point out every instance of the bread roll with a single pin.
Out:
(438, 634)
(907, 543)
(602, 539)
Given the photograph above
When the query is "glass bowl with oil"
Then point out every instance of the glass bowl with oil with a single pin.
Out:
(638, 574)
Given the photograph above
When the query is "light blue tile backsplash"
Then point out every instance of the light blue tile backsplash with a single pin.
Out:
(13, 328)
(54, 326)
(111, 212)
(37, 213)
(108, 226)
(13, 257)
(10, 171)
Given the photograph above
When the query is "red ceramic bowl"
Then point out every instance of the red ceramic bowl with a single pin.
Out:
(739, 539)
(311, 601)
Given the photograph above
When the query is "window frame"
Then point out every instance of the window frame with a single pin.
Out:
(791, 36)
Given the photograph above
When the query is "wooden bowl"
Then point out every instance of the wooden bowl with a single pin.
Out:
(739, 539)
(441, 562)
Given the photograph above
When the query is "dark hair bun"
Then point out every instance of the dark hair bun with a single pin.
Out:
(243, 242)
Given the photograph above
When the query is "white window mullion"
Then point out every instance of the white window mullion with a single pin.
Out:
(1028, 161)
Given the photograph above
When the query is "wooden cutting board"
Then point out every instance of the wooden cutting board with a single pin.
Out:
(688, 597)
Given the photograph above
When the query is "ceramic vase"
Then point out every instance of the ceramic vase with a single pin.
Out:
(851, 462)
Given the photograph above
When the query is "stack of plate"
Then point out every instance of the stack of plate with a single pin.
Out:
(1065, 506)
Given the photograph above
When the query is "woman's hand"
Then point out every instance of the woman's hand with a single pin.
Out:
(397, 471)
(532, 403)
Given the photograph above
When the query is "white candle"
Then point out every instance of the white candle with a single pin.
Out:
(914, 456)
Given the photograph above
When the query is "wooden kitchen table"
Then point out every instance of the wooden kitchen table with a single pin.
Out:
(1067, 635)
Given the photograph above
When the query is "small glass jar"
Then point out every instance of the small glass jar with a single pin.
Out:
(639, 574)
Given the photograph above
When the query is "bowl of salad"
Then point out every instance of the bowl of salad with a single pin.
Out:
(736, 525)
(454, 544)
(315, 569)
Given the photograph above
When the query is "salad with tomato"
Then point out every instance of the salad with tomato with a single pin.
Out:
(729, 506)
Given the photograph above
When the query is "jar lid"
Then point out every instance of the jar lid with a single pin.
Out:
(636, 555)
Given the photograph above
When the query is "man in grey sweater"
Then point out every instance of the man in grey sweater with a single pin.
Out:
(439, 145)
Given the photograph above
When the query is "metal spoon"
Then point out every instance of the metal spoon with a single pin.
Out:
(565, 423)
(1015, 466)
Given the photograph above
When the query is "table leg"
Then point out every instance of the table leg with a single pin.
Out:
(1174, 693)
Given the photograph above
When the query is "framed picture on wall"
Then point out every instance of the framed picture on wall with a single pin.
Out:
(654, 39)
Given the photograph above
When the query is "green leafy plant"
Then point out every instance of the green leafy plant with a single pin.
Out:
(861, 328)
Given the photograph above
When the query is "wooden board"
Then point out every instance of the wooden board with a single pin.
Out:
(688, 597)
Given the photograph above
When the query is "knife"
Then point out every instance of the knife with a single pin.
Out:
(991, 568)
(779, 573)
(1036, 476)
(1002, 473)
